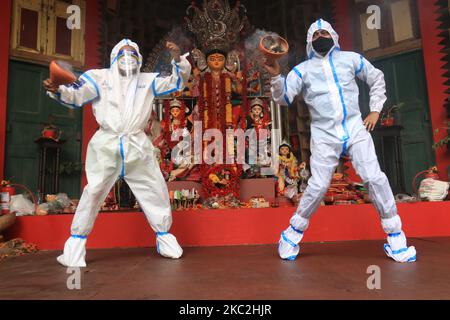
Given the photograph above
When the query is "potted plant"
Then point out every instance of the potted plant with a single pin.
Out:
(387, 118)
(445, 141)
(69, 168)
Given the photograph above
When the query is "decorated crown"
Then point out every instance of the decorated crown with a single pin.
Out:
(175, 103)
(256, 102)
(217, 26)
(284, 143)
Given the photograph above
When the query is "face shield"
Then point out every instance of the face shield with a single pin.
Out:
(128, 62)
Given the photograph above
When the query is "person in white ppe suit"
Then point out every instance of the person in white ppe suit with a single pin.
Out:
(122, 99)
(327, 82)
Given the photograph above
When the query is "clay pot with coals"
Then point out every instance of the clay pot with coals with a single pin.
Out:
(273, 47)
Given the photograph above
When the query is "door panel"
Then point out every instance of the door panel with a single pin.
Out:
(28, 109)
(405, 82)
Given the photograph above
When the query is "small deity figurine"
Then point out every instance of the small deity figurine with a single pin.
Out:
(258, 152)
(304, 177)
(288, 175)
(174, 120)
(257, 118)
(220, 179)
(175, 112)
(195, 197)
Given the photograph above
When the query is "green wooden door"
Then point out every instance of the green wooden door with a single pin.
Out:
(28, 109)
(405, 82)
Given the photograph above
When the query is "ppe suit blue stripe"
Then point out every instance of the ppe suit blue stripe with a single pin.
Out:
(177, 88)
(291, 258)
(319, 23)
(88, 78)
(287, 240)
(341, 94)
(395, 251)
(286, 98)
(344, 148)
(75, 106)
(71, 105)
(114, 61)
(394, 235)
(122, 154)
(160, 234)
(78, 237)
(400, 251)
(298, 73)
(296, 230)
(361, 66)
(118, 56)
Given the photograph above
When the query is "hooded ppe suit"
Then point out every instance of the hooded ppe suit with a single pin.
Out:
(120, 148)
(329, 88)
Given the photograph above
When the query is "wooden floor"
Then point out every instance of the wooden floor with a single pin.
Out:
(323, 271)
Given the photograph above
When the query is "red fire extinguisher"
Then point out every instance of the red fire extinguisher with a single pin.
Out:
(7, 191)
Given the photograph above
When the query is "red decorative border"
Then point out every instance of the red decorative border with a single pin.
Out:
(5, 25)
(434, 70)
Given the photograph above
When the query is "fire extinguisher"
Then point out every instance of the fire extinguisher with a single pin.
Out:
(7, 191)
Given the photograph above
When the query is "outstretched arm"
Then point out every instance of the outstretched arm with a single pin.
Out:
(77, 94)
(181, 71)
(284, 90)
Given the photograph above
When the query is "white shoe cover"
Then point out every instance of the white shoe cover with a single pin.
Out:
(167, 246)
(288, 247)
(74, 253)
(397, 249)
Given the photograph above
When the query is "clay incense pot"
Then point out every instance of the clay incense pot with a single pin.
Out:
(60, 75)
(274, 47)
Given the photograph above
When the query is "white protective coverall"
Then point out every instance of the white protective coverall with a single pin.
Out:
(120, 148)
(329, 88)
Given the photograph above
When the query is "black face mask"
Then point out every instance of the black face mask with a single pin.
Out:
(323, 45)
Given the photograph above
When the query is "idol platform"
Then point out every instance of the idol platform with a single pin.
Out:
(236, 227)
